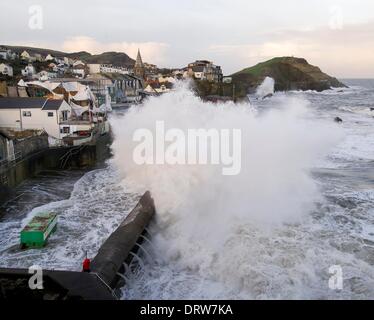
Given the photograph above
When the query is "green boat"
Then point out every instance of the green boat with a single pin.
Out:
(37, 231)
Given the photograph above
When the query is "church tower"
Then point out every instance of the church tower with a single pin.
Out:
(139, 69)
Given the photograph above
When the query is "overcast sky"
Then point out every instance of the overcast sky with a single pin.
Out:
(336, 35)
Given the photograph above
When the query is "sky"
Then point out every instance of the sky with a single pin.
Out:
(336, 35)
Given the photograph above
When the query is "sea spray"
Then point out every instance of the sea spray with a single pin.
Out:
(266, 87)
(201, 213)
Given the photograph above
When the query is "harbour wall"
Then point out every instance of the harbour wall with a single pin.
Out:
(76, 157)
(116, 249)
(98, 284)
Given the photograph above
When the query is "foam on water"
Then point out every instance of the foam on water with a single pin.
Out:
(267, 233)
(266, 88)
(303, 203)
(97, 205)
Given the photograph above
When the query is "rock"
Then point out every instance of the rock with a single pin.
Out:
(267, 96)
(289, 73)
(338, 120)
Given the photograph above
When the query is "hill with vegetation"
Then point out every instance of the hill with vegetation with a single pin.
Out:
(115, 58)
(119, 59)
(289, 73)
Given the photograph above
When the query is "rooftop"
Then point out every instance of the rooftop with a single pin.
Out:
(29, 103)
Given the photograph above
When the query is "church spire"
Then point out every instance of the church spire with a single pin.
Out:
(139, 61)
(139, 69)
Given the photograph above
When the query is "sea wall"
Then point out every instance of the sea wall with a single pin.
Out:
(101, 282)
(86, 156)
(31, 144)
(116, 249)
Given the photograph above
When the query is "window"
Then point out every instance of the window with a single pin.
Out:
(66, 130)
(50, 114)
(26, 113)
(64, 115)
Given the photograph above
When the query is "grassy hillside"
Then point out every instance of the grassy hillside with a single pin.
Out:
(289, 73)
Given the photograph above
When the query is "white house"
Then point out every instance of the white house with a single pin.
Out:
(28, 71)
(199, 72)
(7, 54)
(68, 61)
(94, 68)
(38, 57)
(205, 70)
(28, 57)
(49, 57)
(227, 79)
(35, 113)
(59, 60)
(25, 55)
(78, 63)
(162, 79)
(6, 69)
(79, 69)
(45, 75)
(159, 88)
(79, 73)
(3, 54)
(150, 89)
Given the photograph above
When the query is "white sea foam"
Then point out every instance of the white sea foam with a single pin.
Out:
(266, 87)
(225, 236)
(258, 235)
(96, 207)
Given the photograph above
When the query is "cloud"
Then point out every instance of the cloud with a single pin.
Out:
(152, 52)
(344, 52)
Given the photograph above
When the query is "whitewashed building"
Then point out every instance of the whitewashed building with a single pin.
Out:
(45, 75)
(95, 68)
(7, 54)
(28, 71)
(49, 57)
(36, 114)
(6, 69)
(68, 61)
(25, 55)
(205, 70)
(38, 57)
(4, 54)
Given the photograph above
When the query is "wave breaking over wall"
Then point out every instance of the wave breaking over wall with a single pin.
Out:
(204, 217)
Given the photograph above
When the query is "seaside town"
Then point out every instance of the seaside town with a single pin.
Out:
(192, 151)
(60, 101)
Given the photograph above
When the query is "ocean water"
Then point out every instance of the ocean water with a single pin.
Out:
(89, 205)
(249, 257)
(303, 203)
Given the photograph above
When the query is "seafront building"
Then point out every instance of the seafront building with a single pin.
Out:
(205, 70)
(6, 69)
(67, 111)
(20, 114)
